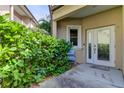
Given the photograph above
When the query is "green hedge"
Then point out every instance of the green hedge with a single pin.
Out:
(28, 56)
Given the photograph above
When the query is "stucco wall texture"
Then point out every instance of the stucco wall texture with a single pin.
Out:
(102, 19)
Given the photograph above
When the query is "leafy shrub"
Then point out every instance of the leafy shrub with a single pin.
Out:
(28, 56)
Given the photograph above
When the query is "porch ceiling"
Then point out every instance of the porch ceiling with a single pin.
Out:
(19, 10)
(90, 9)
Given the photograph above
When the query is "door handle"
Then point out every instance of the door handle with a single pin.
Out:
(94, 49)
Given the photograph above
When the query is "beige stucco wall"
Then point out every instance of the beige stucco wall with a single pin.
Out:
(109, 17)
(28, 22)
(21, 19)
(4, 9)
(123, 35)
(17, 17)
(24, 20)
(32, 24)
(62, 34)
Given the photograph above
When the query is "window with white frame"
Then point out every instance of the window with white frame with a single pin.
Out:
(74, 35)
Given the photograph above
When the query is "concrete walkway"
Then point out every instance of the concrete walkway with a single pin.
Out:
(86, 76)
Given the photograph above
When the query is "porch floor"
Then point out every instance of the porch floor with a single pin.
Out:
(85, 75)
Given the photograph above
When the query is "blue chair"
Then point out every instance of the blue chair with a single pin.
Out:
(72, 56)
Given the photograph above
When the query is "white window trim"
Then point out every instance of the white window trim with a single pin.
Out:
(79, 34)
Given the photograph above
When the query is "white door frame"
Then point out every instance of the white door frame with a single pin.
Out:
(94, 59)
(78, 27)
(91, 59)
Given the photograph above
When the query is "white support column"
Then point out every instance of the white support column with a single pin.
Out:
(54, 28)
(22, 22)
(123, 38)
(30, 23)
(11, 12)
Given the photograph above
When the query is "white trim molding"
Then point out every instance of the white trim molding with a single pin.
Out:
(12, 12)
(78, 27)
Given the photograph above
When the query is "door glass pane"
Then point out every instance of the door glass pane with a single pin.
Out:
(103, 45)
(89, 45)
(73, 36)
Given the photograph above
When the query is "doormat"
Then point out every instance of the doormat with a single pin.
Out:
(101, 67)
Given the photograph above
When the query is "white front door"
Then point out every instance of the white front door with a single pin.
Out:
(101, 46)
